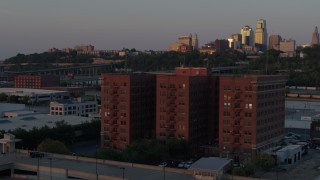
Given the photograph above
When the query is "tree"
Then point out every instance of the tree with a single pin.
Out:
(265, 161)
(3, 97)
(53, 146)
(247, 169)
(178, 148)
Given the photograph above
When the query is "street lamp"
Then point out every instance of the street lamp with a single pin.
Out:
(122, 168)
(96, 162)
(164, 173)
(38, 170)
(50, 158)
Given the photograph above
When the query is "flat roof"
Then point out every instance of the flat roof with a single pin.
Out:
(4, 107)
(210, 163)
(289, 147)
(29, 91)
(299, 109)
(29, 121)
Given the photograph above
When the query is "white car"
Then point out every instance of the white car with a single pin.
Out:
(181, 165)
(187, 164)
(163, 164)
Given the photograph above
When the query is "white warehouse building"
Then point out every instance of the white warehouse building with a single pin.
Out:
(78, 108)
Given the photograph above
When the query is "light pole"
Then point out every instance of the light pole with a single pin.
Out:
(122, 168)
(50, 158)
(96, 162)
(38, 170)
(164, 173)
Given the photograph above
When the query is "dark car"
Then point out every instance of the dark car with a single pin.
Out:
(35, 154)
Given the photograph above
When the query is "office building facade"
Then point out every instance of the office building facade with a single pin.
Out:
(274, 42)
(251, 114)
(36, 81)
(247, 35)
(261, 35)
(194, 42)
(183, 108)
(221, 45)
(315, 37)
(288, 47)
(127, 109)
(71, 108)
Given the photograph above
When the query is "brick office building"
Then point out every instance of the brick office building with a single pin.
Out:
(36, 81)
(183, 106)
(251, 114)
(127, 108)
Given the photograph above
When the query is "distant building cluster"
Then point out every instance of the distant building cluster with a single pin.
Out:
(245, 114)
(185, 44)
(248, 41)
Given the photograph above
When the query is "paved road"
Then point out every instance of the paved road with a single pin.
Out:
(131, 173)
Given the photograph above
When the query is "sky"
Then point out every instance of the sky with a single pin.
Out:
(34, 26)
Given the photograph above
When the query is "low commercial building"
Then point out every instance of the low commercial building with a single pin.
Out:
(290, 154)
(8, 143)
(78, 108)
(28, 122)
(210, 168)
(36, 81)
(4, 107)
(36, 95)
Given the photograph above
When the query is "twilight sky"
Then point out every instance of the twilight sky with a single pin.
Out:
(33, 26)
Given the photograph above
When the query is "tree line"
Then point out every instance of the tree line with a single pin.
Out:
(300, 71)
(62, 132)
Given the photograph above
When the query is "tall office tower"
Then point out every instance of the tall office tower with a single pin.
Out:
(221, 45)
(247, 34)
(251, 114)
(182, 109)
(288, 47)
(194, 42)
(261, 35)
(315, 37)
(127, 109)
(237, 37)
(235, 41)
(187, 40)
(274, 42)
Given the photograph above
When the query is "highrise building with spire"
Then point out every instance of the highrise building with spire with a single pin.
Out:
(315, 37)
(261, 35)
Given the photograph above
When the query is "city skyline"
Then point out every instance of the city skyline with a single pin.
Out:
(35, 26)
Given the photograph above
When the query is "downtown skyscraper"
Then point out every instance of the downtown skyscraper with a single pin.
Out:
(247, 35)
(261, 35)
(315, 37)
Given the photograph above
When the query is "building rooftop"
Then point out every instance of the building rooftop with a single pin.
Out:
(289, 147)
(210, 163)
(300, 113)
(27, 122)
(29, 91)
(4, 107)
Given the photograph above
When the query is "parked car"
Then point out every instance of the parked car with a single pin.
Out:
(163, 164)
(181, 165)
(188, 164)
(35, 154)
